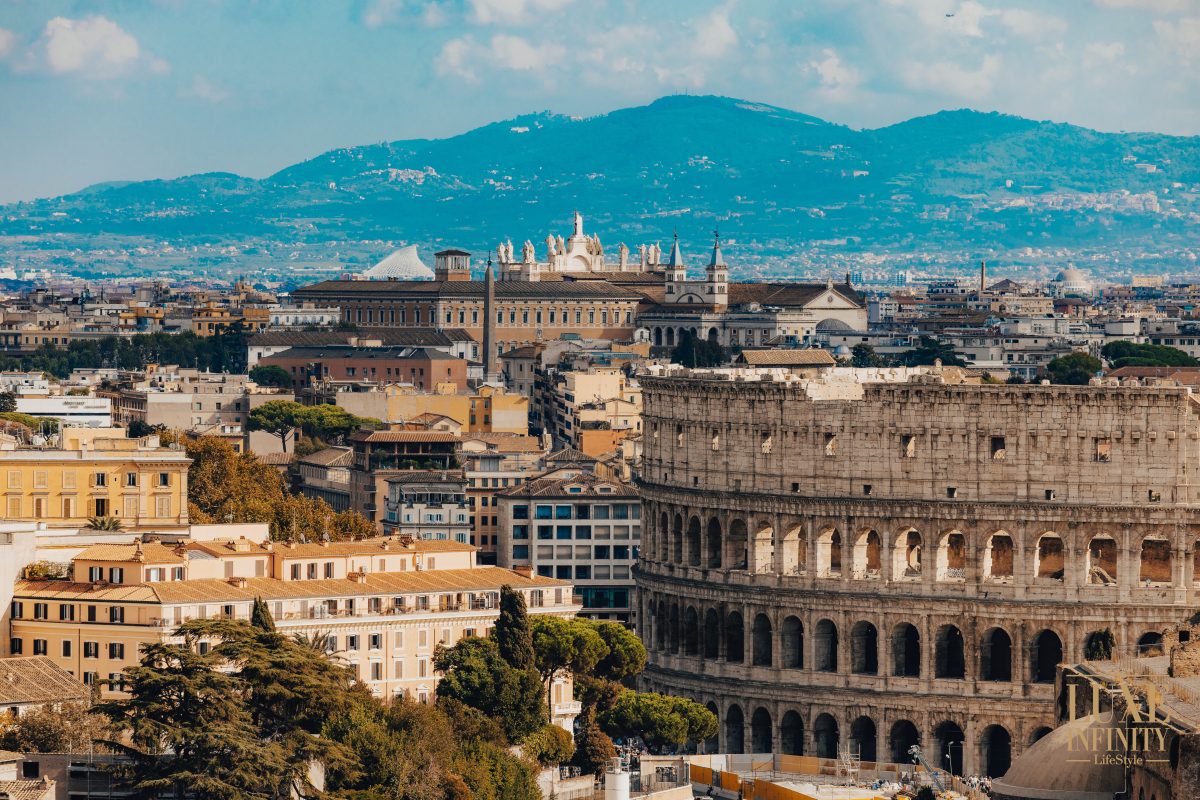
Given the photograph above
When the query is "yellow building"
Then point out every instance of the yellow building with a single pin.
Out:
(593, 410)
(486, 410)
(381, 605)
(95, 472)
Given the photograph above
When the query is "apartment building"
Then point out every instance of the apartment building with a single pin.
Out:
(95, 472)
(428, 505)
(325, 475)
(573, 525)
(491, 463)
(485, 409)
(592, 410)
(381, 605)
(422, 367)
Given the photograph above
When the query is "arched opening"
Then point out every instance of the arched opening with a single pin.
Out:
(691, 632)
(1155, 563)
(995, 657)
(712, 635)
(1099, 645)
(903, 736)
(1196, 563)
(1039, 733)
(948, 740)
(826, 641)
(664, 537)
(674, 628)
(713, 744)
(825, 736)
(998, 558)
(867, 556)
(1050, 558)
(735, 730)
(735, 548)
(864, 649)
(712, 339)
(906, 651)
(1102, 561)
(761, 646)
(949, 661)
(863, 738)
(1047, 654)
(997, 751)
(670, 337)
(658, 337)
(829, 554)
(906, 557)
(793, 551)
(660, 626)
(677, 539)
(791, 734)
(693, 542)
(952, 558)
(760, 731)
(792, 642)
(735, 634)
(713, 539)
(1150, 644)
(762, 548)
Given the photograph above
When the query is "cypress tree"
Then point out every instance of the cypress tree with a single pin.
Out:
(260, 616)
(513, 636)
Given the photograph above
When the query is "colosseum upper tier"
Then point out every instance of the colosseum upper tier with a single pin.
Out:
(862, 560)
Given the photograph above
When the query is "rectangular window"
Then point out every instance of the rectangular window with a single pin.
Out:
(830, 444)
(66, 648)
(39, 479)
(583, 531)
(563, 532)
(91, 649)
(41, 610)
(116, 650)
(100, 479)
(39, 647)
(545, 532)
(68, 479)
(101, 505)
(376, 641)
(997, 448)
(520, 512)
(164, 479)
(66, 612)
(116, 574)
(908, 446)
(116, 614)
(544, 512)
(131, 479)
(1103, 449)
(95, 574)
(520, 551)
(352, 642)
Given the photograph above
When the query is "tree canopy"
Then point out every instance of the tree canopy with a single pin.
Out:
(1132, 354)
(474, 672)
(323, 422)
(659, 720)
(271, 375)
(224, 351)
(1074, 369)
(928, 351)
(695, 352)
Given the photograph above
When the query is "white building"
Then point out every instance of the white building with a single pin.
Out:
(71, 411)
(304, 315)
(428, 505)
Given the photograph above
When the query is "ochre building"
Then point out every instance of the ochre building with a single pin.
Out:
(851, 562)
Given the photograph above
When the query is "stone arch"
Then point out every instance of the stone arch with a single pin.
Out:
(906, 651)
(761, 644)
(677, 539)
(713, 544)
(1196, 563)
(825, 736)
(949, 658)
(1040, 733)
(761, 735)
(864, 738)
(713, 744)
(1050, 560)
(1046, 653)
(670, 337)
(735, 546)
(867, 558)
(1155, 562)
(691, 632)
(712, 335)
(952, 557)
(995, 750)
(658, 336)
(904, 734)
(1150, 644)
(906, 555)
(735, 730)
(825, 639)
(1102, 560)
(735, 634)
(997, 563)
(829, 553)
(692, 542)
(948, 741)
(761, 548)
(664, 538)
(712, 634)
(864, 649)
(995, 655)
(792, 643)
(660, 625)
(1099, 645)
(674, 628)
(791, 734)
(793, 551)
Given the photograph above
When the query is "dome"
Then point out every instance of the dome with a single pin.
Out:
(403, 264)
(1071, 275)
(1052, 769)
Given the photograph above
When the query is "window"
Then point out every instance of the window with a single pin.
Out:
(95, 574)
(328, 569)
(66, 648)
(91, 614)
(583, 572)
(164, 479)
(376, 641)
(520, 531)
(545, 532)
(116, 614)
(66, 612)
(562, 512)
(998, 449)
(520, 512)
(1153, 496)
(583, 531)
(100, 479)
(1050, 494)
(312, 571)
(131, 479)
(41, 610)
(520, 551)
(908, 446)
(543, 512)
(866, 488)
(1103, 449)
(39, 479)
(39, 647)
(563, 532)
(951, 492)
(15, 646)
(116, 574)
(352, 641)
(91, 649)
(563, 573)
(18, 609)
(101, 507)
(116, 650)
(620, 552)
(830, 444)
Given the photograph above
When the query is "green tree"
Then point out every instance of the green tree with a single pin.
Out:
(280, 418)
(1073, 369)
(1099, 646)
(626, 655)
(1133, 354)
(475, 673)
(658, 720)
(260, 616)
(65, 728)
(103, 524)
(47, 425)
(271, 376)
(864, 355)
(549, 746)
(8, 401)
(593, 747)
(929, 351)
(512, 633)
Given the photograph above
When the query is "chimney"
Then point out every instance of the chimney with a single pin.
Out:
(524, 570)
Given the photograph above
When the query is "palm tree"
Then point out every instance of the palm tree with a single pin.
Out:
(103, 524)
(318, 641)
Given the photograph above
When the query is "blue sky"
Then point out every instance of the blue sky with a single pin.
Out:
(94, 90)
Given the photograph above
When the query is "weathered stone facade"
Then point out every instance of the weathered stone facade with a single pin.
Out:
(878, 558)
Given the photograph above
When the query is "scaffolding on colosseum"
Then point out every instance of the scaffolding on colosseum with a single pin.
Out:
(849, 763)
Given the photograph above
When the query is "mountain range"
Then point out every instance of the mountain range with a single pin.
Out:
(774, 182)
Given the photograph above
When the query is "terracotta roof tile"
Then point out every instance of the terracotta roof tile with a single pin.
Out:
(151, 553)
(37, 679)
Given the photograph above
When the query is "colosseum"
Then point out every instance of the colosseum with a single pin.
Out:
(857, 561)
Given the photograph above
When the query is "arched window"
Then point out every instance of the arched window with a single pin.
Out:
(791, 734)
(867, 556)
(906, 651)
(735, 634)
(825, 736)
(712, 634)
(792, 642)
(903, 736)
(864, 738)
(995, 658)
(996, 747)
(761, 738)
(949, 661)
(735, 548)
(713, 539)
(1102, 561)
(952, 557)
(1046, 654)
(829, 554)
(1050, 557)
(735, 730)
(948, 743)
(691, 632)
(997, 563)
(906, 556)
(762, 646)
(692, 545)
(864, 649)
(1155, 568)
(826, 641)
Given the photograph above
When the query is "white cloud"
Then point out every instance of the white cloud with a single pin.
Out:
(1183, 35)
(515, 53)
(948, 78)
(715, 36)
(454, 59)
(204, 89)
(1097, 53)
(1031, 24)
(95, 47)
(380, 12)
(1156, 6)
(512, 12)
(837, 79)
(7, 40)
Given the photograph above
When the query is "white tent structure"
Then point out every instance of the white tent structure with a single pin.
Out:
(403, 264)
